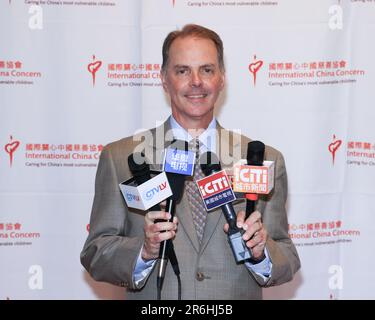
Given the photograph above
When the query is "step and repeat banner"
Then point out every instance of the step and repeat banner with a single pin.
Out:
(76, 75)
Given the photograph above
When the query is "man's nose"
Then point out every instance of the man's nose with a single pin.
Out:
(196, 80)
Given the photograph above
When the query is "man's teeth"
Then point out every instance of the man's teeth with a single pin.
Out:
(196, 96)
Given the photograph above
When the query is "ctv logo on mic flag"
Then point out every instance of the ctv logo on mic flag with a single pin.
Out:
(253, 179)
(215, 190)
(179, 161)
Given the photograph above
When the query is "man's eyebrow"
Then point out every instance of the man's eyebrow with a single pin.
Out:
(183, 66)
(180, 66)
(208, 65)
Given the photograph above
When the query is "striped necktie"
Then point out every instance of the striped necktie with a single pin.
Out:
(195, 201)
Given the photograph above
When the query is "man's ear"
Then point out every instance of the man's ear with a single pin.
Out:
(222, 81)
(163, 76)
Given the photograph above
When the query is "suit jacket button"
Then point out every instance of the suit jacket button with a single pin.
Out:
(200, 276)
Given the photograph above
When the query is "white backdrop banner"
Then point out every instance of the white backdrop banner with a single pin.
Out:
(76, 75)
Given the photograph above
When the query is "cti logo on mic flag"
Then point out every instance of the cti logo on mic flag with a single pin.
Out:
(93, 67)
(333, 147)
(254, 68)
(215, 190)
(10, 148)
(253, 179)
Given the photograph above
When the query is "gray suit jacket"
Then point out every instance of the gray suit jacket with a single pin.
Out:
(208, 271)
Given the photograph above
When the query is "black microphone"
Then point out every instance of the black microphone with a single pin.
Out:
(209, 165)
(255, 157)
(141, 173)
(176, 182)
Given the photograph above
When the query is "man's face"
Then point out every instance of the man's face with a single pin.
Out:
(193, 79)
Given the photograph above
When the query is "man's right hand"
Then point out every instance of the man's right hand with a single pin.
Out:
(157, 232)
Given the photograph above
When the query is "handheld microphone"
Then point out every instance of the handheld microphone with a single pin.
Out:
(210, 164)
(140, 170)
(255, 157)
(141, 173)
(176, 182)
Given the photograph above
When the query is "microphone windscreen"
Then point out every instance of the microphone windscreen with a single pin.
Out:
(139, 167)
(255, 153)
(209, 163)
(140, 170)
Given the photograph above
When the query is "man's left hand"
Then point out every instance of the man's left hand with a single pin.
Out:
(255, 234)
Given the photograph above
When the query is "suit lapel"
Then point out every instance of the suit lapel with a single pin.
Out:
(186, 221)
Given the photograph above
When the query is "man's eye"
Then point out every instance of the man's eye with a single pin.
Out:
(181, 71)
(208, 70)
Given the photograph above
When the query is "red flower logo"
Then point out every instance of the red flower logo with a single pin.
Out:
(10, 148)
(333, 146)
(254, 68)
(93, 67)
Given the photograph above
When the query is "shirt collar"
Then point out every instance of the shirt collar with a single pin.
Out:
(207, 138)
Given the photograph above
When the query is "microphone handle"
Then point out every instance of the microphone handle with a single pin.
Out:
(240, 251)
(163, 254)
(231, 217)
(167, 250)
(250, 207)
(156, 207)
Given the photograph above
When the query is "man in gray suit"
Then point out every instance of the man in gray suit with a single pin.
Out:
(123, 244)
